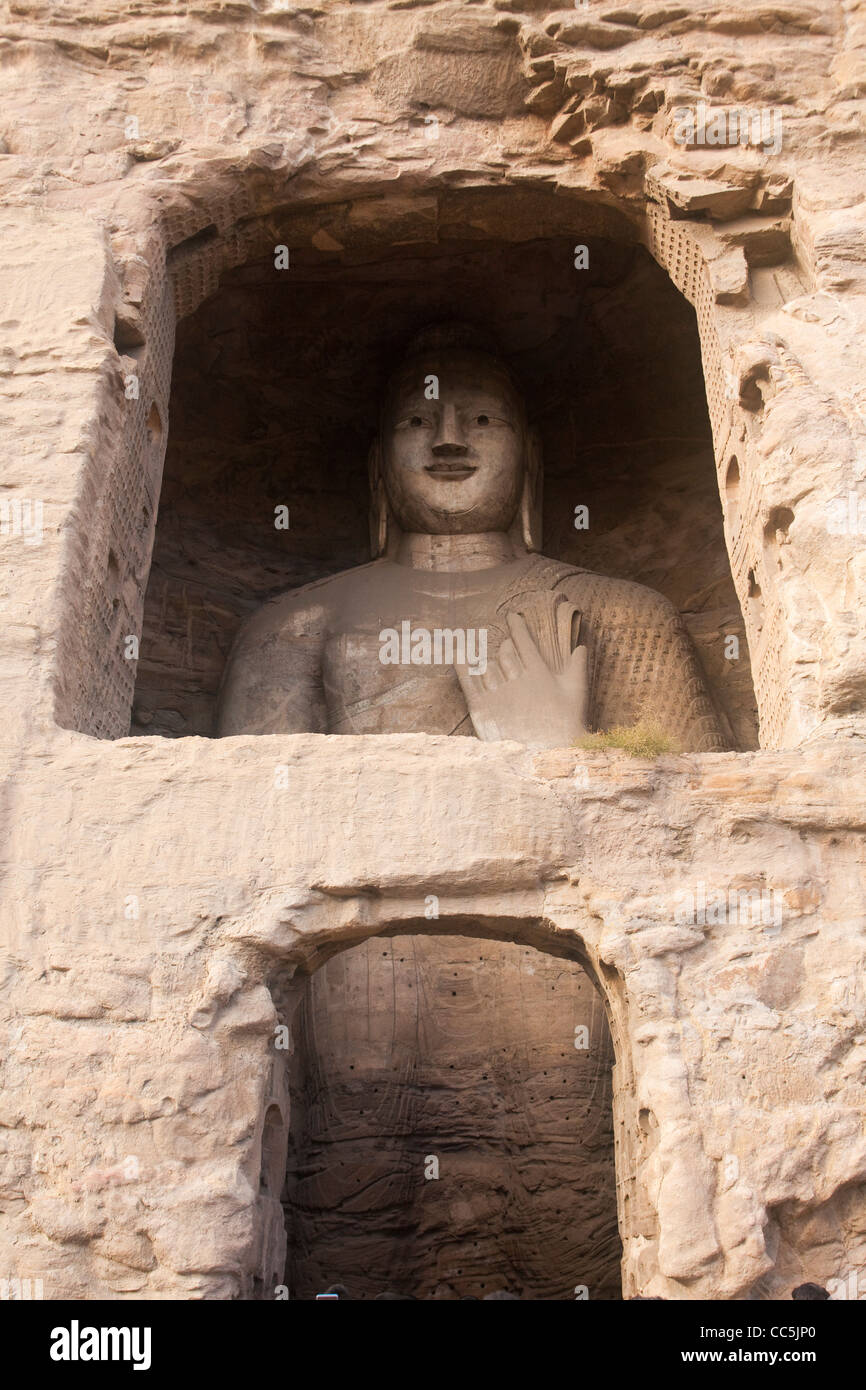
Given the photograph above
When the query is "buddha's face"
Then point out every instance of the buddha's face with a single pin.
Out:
(453, 464)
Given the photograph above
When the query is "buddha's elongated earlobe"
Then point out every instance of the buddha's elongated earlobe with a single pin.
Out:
(378, 501)
(530, 502)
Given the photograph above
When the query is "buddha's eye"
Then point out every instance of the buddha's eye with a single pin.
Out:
(482, 420)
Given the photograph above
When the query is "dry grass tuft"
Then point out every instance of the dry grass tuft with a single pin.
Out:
(643, 740)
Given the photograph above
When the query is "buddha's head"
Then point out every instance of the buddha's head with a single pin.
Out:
(455, 454)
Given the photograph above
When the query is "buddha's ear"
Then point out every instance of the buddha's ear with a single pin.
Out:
(530, 502)
(378, 501)
(379, 509)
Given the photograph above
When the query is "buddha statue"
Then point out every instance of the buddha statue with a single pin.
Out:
(459, 625)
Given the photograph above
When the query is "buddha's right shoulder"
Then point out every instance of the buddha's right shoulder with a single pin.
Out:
(309, 609)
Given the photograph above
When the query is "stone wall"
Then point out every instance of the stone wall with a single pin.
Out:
(159, 894)
(142, 1053)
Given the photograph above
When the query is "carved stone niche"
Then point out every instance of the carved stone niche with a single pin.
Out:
(276, 389)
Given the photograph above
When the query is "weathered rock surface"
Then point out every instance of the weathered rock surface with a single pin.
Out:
(162, 898)
(739, 1076)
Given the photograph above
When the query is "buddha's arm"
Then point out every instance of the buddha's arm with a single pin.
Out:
(678, 699)
(642, 662)
(273, 681)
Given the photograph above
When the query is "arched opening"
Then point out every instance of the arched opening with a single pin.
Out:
(276, 388)
(625, 407)
(451, 1129)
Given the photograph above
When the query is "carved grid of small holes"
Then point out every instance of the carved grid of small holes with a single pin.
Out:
(775, 700)
(122, 525)
(124, 508)
(195, 275)
(770, 688)
(673, 248)
(627, 1189)
(113, 675)
(196, 272)
(748, 522)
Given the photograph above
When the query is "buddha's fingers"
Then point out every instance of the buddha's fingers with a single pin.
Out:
(529, 654)
(486, 729)
(566, 635)
(477, 692)
(509, 661)
(493, 677)
(478, 683)
(577, 674)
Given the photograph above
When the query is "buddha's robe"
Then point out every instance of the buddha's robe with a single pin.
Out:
(312, 661)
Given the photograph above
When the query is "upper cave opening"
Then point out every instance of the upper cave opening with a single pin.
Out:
(276, 390)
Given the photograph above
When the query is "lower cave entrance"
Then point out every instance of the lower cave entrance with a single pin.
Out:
(452, 1130)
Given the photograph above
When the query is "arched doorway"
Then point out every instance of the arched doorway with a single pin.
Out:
(451, 1126)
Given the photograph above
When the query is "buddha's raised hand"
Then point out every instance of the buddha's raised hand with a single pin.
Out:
(521, 697)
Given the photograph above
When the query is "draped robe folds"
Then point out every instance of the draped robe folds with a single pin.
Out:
(312, 660)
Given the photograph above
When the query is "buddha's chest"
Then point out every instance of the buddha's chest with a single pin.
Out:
(395, 672)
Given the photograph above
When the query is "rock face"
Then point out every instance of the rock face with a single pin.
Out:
(167, 898)
(146, 1077)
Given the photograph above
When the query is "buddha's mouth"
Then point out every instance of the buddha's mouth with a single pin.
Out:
(452, 471)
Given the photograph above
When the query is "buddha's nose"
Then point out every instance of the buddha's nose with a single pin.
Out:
(449, 441)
